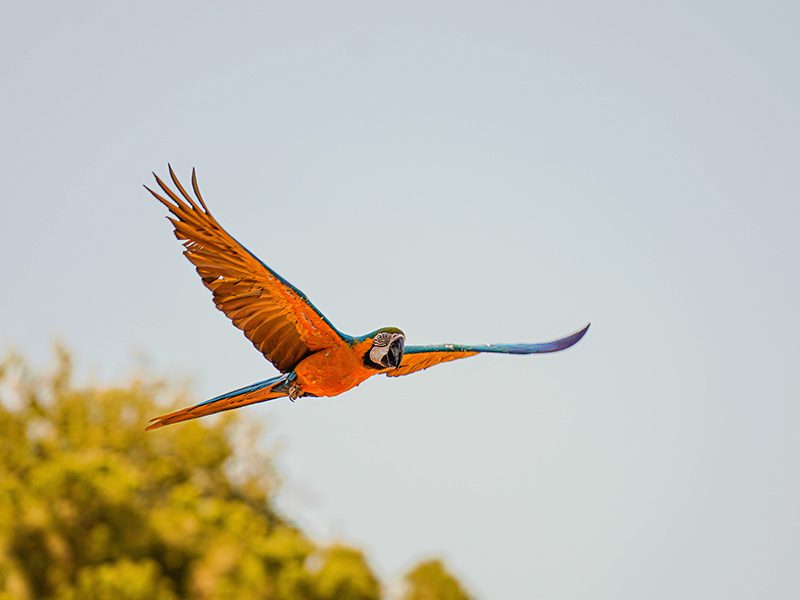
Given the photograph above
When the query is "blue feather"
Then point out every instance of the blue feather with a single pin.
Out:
(552, 346)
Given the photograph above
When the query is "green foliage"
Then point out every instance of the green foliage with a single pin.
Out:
(92, 507)
(344, 575)
(123, 580)
(430, 581)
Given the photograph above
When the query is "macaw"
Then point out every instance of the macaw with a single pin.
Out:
(314, 358)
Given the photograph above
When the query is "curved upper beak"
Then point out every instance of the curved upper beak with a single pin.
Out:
(395, 354)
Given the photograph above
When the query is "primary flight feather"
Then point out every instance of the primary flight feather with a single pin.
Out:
(315, 358)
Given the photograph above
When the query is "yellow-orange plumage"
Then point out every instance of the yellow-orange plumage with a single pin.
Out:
(202, 410)
(418, 362)
(335, 370)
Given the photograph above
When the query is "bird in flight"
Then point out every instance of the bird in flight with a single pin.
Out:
(314, 358)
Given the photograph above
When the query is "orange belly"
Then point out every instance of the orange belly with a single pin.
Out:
(334, 371)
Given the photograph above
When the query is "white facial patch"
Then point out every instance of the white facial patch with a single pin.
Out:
(381, 346)
(378, 354)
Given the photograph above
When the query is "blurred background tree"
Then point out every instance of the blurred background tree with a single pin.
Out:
(92, 507)
(430, 580)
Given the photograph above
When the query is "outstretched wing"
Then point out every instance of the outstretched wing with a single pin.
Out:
(273, 314)
(417, 358)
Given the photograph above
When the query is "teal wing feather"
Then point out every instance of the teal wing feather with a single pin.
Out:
(417, 358)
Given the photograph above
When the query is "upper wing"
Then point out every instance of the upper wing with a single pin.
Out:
(272, 313)
(417, 358)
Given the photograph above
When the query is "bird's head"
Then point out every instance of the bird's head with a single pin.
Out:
(387, 348)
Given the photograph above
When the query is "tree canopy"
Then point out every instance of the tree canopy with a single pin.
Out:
(92, 507)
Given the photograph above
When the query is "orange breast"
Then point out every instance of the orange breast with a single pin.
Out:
(335, 370)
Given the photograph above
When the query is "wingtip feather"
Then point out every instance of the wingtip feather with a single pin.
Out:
(161, 199)
(571, 340)
(181, 189)
(197, 190)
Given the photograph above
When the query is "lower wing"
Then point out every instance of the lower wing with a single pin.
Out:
(417, 358)
(257, 392)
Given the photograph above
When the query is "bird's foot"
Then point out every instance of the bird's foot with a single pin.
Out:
(294, 392)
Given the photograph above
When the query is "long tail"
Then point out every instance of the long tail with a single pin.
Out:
(257, 392)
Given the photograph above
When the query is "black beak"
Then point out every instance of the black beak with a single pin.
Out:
(395, 355)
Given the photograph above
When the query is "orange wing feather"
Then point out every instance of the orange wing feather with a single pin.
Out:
(204, 409)
(422, 360)
(274, 315)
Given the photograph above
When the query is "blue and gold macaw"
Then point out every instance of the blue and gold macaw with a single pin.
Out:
(314, 358)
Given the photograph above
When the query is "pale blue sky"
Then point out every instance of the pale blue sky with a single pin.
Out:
(470, 173)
